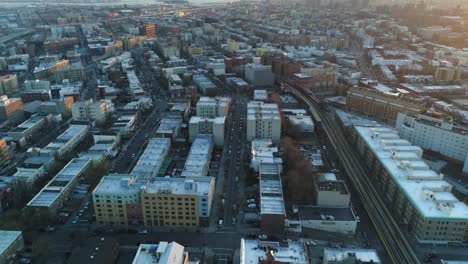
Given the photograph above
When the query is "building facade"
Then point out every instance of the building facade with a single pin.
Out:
(384, 106)
(214, 126)
(417, 196)
(263, 121)
(8, 84)
(427, 132)
(11, 109)
(210, 107)
(89, 110)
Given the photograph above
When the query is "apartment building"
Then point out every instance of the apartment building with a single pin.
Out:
(51, 197)
(263, 121)
(4, 152)
(177, 201)
(259, 75)
(8, 84)
(169, 127)
(11, 109)
(417, 196)
(426, 131)
(152, 158)
(89, 110)
(264, 151)
(211, 107)
(272, 208)
(66, 142)
(124, 200)
(214, 126)
(382, 105)
(25, 131)
(198, 159)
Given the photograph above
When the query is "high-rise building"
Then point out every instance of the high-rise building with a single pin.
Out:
(263, 121)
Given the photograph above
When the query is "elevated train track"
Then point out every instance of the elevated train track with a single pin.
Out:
(389, 233)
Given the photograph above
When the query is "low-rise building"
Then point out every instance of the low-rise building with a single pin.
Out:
(300, 120)
(11, 243)
(29, 129)
(66, 142)
(272, 209)
(198, 159)
(169, 127)
(263, 121)
(162, 253)
(51, 197)
(350, 256)
(205, 85)
(152, 158)
(260, 252)
(330, 219)
(29, 174)
(11, 109)
(125, 125)
(264, 151)
(331, 192)
(215, 126)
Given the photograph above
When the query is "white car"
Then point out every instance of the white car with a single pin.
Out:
(311, 243)
(262, 237)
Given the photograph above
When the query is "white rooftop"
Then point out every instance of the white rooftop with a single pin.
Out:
(338, 255)
(424, 188)
(180, 186)
(199, 156)
(152, 158)
(164, 253)
(251, 252)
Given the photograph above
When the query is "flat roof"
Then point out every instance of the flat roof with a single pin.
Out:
(118, 184)
(326, 213)
(342, 254)
(167, 252)
(150, 161)
(271, 194)
(332, 186)
(180, 186)
(47, 196)
(7, 237)
(199, 156)
(169, 125)
(260, 110)
(418, 183)
(72, 132)
(251, 252)
(31, 122)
